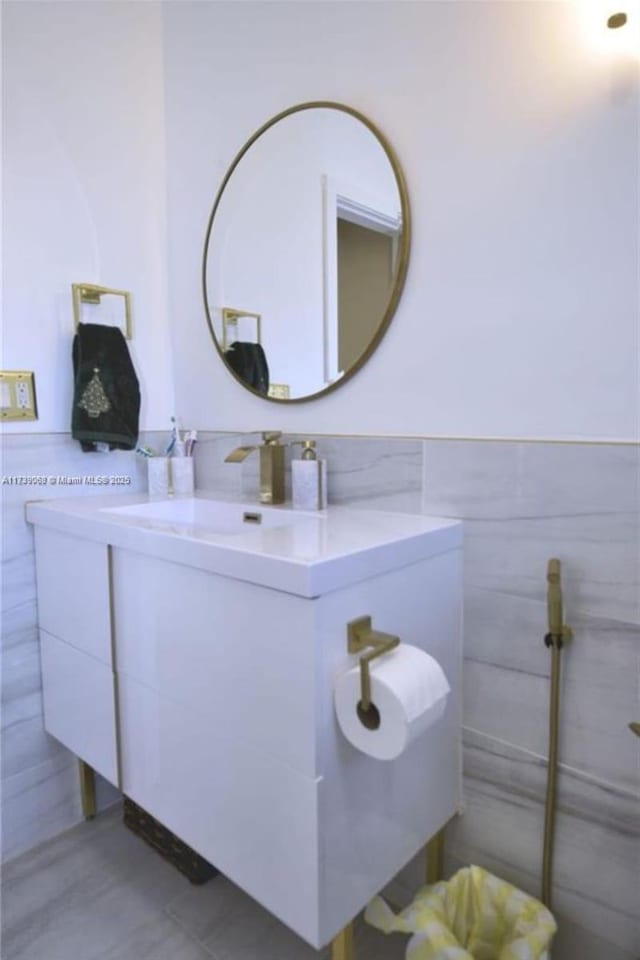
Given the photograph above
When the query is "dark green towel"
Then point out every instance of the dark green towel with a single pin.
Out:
(106, 395)
(249, 362)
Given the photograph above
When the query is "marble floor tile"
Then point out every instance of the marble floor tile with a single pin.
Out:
(234, 927)
(83, 893)
(160, 938)
(41, 802)
(100, 893)
(371, 944)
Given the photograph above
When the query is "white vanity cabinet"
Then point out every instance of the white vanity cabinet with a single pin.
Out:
(226, 730)
(74, 621)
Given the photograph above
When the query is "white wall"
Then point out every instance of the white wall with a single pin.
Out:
(84, 190)
(519, 316)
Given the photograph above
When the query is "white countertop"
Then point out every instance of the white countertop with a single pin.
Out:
(309, 554)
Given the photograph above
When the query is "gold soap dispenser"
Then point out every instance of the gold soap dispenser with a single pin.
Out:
(309, 478)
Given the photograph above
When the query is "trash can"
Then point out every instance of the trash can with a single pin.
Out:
(473, 916)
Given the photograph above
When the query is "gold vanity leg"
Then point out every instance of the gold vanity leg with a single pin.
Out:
(342, 945)
(435, 857)
(87, 790)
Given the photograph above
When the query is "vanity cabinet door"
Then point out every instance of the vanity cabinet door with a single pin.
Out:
(73, 591)
(79, 704)
(238, 655)
(74, 617)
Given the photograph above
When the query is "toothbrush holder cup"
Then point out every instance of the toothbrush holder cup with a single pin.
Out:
(158, 476)
(182, 475)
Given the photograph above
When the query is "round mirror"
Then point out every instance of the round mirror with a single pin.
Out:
(306, 252)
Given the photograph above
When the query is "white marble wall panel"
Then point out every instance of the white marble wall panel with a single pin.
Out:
(526, 502)
(211, 472)
(507, 687)
(39, 802)
(360, 468)
(597, 845)
(39, 777)
(387, 473)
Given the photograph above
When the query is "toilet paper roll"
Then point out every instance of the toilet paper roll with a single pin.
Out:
(409, 690)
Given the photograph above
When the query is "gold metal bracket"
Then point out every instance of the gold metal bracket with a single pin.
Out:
(92, 293)
(559, 632)
(360, 635)
(230, 317)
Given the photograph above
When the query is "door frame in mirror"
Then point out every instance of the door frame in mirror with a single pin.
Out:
(403, 247)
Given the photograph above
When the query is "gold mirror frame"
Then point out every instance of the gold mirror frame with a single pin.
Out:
(403, 258)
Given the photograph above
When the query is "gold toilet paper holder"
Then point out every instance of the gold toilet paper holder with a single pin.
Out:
(360, 635)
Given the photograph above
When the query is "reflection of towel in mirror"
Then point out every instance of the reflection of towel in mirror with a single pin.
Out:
(106, 394)
(249, 362)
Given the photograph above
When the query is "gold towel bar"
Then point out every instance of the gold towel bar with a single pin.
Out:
(92, 293)
(230, 317)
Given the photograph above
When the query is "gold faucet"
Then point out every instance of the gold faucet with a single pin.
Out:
(271, 466)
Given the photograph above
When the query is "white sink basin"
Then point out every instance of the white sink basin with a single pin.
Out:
(208, 516)
(295, 551)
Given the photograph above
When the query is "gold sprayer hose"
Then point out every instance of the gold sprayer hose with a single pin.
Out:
(552, 776)
(558, 634)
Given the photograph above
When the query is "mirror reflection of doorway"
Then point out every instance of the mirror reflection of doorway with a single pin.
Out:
(366, 273)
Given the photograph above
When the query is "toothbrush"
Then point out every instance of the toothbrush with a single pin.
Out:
(191, 442)
(175, 436)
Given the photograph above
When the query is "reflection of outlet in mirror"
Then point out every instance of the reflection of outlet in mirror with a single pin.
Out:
(18, 396)
(279, 390)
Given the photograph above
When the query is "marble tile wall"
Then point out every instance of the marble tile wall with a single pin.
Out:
(40, 795)
(523, 503)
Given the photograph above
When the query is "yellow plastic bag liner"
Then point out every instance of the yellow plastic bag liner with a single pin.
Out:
(473, 916)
